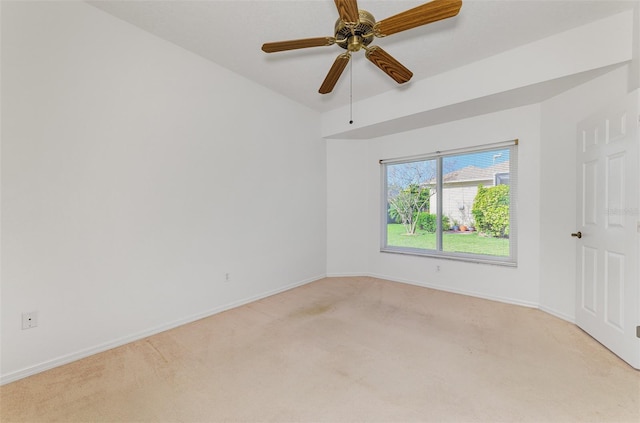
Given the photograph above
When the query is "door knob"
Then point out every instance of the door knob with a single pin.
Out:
(577, 234)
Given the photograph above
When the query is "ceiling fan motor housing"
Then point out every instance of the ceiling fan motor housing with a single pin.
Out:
(352, 38)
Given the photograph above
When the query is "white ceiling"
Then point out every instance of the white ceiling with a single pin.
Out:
(230, 33)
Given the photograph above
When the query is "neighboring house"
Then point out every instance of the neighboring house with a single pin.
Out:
(460, 189)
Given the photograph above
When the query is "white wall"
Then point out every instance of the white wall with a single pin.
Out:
(353, 159)
(592, 46)
(547, 174)
(602, 61)
(546, 208)
(134, 176)
(560, 115)
(348, 207)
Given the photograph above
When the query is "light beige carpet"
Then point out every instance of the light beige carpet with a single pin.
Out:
(343, 350)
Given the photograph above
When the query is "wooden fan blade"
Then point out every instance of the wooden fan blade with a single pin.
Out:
(388, 64)
(348, 11)
(418, 16)
(296, 44)
(334, 73)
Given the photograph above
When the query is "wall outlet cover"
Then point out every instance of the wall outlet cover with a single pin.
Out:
(29, 320)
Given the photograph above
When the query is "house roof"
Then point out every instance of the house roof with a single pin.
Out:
(476, 174)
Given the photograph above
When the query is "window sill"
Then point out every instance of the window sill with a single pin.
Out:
(468, 258)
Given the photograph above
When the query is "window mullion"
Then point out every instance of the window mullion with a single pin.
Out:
(439, 202)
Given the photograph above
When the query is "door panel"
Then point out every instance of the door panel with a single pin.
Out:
(590, 193)
(615, 190)
(608, 279)
(589, 278)
(614, 287)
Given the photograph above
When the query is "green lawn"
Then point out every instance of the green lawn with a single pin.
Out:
(462, 242)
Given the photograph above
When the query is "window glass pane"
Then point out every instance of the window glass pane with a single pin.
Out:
(411, 218)
(475, 203)
(454, 204)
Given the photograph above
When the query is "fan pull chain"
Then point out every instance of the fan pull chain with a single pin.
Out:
(351, 92)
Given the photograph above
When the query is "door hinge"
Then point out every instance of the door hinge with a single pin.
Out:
(638, 331)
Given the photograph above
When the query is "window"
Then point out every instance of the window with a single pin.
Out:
(458, 204)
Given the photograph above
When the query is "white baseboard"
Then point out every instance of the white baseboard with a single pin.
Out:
(529, 304)
(346, 275)
(31, 370)
(69, 358)
(506, 300)
(558, 314)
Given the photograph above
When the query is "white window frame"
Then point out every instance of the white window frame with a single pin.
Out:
(510, 261)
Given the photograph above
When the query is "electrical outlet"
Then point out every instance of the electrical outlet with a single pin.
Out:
(437, 268)
(227, 277)
(29, 320)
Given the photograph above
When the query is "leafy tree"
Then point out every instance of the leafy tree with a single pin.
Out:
(407, 204)
(491, 210)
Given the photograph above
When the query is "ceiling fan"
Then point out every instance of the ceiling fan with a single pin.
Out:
(355, 29)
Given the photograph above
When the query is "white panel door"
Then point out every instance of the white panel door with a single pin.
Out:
(607, 255)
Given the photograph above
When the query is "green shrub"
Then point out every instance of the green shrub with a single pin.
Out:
(491, 210)
(428, 222)
(445, 223)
